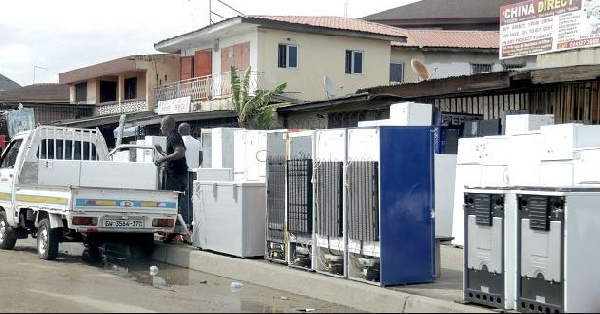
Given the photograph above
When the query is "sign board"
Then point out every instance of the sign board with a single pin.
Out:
(173, 106)
(544, 26)
(19, 121)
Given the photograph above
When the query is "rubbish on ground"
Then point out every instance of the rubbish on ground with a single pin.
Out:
(236, 286)
(203, 282)
(153, 270)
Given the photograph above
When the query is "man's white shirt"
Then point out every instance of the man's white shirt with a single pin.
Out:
(192, 151)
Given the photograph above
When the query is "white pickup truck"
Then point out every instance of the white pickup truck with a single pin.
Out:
(59, 185)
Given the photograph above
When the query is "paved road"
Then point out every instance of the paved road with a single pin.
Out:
(118, 284)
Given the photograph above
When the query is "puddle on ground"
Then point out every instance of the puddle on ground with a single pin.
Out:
(246, 306)
(216, 292)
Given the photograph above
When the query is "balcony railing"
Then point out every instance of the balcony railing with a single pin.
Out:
(215, 86)
(125, 106)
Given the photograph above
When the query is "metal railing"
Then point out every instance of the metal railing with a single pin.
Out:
(214, 86)
(125, 106)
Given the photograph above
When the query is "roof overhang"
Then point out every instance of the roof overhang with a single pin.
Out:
(125, 64)
(240, 25)
(207, 34)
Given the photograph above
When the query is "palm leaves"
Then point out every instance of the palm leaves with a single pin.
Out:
(254, 112)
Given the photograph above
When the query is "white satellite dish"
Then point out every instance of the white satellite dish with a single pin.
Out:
(330, 89)
(420, 69)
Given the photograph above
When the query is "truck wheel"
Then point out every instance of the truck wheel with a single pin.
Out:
(47, 240)
(142, 247)
(7, 236)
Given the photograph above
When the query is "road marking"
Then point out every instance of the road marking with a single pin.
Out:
(103, 306)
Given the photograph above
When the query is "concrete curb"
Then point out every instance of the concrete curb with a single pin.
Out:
(358, 295)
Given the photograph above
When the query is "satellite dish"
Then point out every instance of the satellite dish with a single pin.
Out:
(420, 69)
(330, 89)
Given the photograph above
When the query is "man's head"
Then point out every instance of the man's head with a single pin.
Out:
(167, 125)
(184, 129)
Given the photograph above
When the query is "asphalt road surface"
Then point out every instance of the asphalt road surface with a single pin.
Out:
(119, 284)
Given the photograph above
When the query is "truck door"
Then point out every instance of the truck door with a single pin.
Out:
(7, 176)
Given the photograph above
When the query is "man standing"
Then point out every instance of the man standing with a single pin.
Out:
(175, 163)
(193, 156)
(193, 147)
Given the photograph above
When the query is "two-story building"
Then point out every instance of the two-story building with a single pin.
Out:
(122, 85)
(318, 57)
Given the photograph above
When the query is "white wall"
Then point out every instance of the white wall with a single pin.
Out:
(456, 64)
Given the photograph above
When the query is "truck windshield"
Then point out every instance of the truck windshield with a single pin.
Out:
(10, 157)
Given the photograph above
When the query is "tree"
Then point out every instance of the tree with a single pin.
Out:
(254, 112)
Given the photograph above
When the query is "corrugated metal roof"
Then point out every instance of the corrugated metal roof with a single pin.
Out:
(50, 92)
(450, 39)
(444, 9)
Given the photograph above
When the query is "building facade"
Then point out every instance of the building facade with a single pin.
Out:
(122, 85)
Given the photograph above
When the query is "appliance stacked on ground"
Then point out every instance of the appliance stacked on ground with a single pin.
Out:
(59, 184)
(300, 202)
(232, 214)
(354, 203)
(390, 211)
(330, 200)
(527, 228)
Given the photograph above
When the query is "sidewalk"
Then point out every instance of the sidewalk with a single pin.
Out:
(435, 297)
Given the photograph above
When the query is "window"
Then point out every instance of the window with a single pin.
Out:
(131, 88)
(63, 150)
(354, 62)
(397, 72)
(9, 159)
(108, 91)
(287, 56)
(477, 68)
(509, 67)
(81, 92)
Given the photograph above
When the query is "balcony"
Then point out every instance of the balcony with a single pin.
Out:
(125, 106)
(204, 88)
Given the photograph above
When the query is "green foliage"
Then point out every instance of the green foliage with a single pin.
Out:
(254, 112)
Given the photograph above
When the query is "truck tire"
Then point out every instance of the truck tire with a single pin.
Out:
(47, 240)
(7, 236)
(142, 247)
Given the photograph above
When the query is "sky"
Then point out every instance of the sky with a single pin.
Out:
(41, 38)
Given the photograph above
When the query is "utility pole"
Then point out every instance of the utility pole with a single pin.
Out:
(210, 21)
(345, 8)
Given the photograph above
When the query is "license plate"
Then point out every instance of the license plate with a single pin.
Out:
(121, 223)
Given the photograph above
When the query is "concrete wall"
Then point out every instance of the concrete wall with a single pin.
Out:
(160, 70)
(248, 35)
(319, 56)
(404, 56)
(569, 58)
(452, 63)
(457, 64)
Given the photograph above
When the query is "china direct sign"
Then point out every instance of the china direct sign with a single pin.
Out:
(544, 26)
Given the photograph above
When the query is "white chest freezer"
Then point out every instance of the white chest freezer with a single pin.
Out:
(231, 217)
